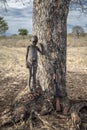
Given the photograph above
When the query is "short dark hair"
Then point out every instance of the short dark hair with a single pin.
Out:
(34, 38)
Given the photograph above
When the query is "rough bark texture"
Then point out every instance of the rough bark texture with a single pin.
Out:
(49, 24)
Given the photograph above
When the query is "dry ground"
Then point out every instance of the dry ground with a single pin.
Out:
(13, 72)
(77, 68)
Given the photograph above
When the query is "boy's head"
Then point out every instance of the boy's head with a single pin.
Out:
(34, 40)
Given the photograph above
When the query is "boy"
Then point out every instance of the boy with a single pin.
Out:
(32, 61)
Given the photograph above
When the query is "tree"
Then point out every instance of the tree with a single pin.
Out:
(22, 32)
(50, 25)
(78, 30)
(3, 26)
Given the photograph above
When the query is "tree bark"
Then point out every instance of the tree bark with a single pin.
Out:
(50, 25)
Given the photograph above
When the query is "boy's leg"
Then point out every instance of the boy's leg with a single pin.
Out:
(29, 78)
(34, 75)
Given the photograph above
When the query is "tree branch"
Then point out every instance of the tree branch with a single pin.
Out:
(79, 4)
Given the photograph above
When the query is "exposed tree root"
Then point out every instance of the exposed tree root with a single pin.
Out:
(27, 112)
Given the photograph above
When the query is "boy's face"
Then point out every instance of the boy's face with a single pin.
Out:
(34, 43)
(34, 40)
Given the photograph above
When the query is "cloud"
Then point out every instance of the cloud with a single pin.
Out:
(18, 23)
(19, 15)
(18, 18)
(19, 4)
(76, 18)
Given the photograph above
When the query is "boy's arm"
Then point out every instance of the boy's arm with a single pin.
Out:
(41, 50)
(27, 53)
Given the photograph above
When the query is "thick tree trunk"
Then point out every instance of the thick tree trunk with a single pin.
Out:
(50, 25)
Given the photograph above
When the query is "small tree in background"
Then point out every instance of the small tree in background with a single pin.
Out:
(78, 31)
(3, 26)
(23, 32)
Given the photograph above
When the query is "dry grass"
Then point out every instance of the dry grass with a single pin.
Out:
(15, 41)
(13, 72)
(77, 68)
(73, 41)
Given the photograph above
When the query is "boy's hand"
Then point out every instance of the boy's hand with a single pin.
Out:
(42, 48)
(28, 65)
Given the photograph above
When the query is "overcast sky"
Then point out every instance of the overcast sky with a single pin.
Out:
(20, 16)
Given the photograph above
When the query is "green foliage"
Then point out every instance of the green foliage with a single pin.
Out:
(3, 26)
(22, 32)
(78, 30)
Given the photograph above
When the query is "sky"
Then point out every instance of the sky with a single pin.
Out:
(19, 15)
